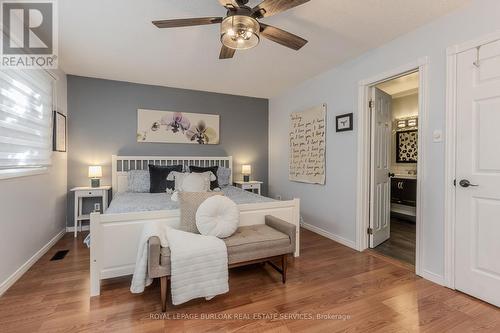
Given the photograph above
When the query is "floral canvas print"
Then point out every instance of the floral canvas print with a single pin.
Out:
(177, 127)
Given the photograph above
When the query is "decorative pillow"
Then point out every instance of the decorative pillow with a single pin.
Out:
(191, 182)
(217, 216)
(214, 183)
(138, 181)
(224, 176)
(188, 205)
(158, 177)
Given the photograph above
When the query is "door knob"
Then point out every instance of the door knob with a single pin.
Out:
(466, 183)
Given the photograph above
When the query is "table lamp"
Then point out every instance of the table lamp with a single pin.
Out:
(246, 170)
(95, 173)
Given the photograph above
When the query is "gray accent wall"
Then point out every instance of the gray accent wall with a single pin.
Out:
(102, 121)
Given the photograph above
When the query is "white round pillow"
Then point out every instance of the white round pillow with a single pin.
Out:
(217, 216)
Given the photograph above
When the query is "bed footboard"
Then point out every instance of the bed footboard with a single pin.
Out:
(115, 237)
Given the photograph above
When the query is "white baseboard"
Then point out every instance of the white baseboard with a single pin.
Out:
(84, 228)
(433, 277)
(27, 265)
(329, 235)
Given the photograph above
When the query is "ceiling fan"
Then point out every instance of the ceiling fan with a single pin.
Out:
(240, 29)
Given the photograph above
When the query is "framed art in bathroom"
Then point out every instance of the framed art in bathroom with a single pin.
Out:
(407, 146)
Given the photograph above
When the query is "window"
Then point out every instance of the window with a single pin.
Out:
(25, 121)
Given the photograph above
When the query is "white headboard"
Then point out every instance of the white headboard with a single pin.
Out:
(120, 165)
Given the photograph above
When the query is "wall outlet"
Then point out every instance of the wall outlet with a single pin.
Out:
(97, 207)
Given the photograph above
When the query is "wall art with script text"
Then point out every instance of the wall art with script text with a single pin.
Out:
(308, 146)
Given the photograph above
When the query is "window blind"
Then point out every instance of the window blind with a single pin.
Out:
(25, 118)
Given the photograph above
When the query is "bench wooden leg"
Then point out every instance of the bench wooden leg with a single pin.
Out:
(284, 266)
(163, 291)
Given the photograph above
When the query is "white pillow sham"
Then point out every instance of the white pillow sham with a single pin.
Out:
(190, 182)
(218, 216)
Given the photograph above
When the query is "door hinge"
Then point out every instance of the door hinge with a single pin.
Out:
(370, 104)
(370, 231)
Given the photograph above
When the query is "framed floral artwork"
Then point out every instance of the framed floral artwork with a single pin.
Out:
(177, 127)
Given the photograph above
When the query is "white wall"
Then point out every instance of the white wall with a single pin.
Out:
(332, 207)
(33, 208)
(402, 107)
(405, 106)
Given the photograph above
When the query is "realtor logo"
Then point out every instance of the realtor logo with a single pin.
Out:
(29, 34)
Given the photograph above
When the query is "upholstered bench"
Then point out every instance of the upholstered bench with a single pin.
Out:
(248, 245)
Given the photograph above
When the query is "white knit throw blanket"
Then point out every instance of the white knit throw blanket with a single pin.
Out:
(198, 263)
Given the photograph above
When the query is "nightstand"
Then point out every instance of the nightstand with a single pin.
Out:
(251, 186)
(88, 192)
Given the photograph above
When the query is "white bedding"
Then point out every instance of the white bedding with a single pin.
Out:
(199, 263)
(128, 202)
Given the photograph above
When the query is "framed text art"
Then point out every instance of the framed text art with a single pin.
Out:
(308, 146)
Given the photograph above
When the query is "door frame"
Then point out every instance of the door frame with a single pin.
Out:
(450, 151)
(364, 156)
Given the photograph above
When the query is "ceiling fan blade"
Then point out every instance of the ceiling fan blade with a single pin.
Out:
(187, 22)
(272, 7)
(282, 37)
(226, 52)
(229, 4)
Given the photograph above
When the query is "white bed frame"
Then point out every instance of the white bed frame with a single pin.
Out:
(115, 237)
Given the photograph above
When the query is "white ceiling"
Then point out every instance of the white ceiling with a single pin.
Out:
(116, 40)
(401, 86)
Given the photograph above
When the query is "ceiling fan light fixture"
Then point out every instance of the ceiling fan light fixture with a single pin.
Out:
(240, 32)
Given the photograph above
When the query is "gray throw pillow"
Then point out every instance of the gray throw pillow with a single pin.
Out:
(188, 205)
(138, 181)
(224, 176)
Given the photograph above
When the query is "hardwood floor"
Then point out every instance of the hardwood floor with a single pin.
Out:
(401, 245)
(366, 293)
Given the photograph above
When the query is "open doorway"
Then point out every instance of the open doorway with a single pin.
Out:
(364, 202)
(394, 112)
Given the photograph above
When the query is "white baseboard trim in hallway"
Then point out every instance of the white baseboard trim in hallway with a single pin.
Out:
(84, 228)
(433, 277)
(31, 261)
(329, 235)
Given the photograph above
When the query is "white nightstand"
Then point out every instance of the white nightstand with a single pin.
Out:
(252, 186)
(88, 192)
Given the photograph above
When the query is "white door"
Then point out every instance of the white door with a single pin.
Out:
(380, 203)
(477, 228)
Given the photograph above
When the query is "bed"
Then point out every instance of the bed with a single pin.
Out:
(115, 234)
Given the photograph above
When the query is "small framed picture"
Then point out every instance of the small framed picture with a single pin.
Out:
(59, 136)
(344, 122)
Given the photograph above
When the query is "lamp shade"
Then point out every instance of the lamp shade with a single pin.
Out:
(246, 169)
(95, 171)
